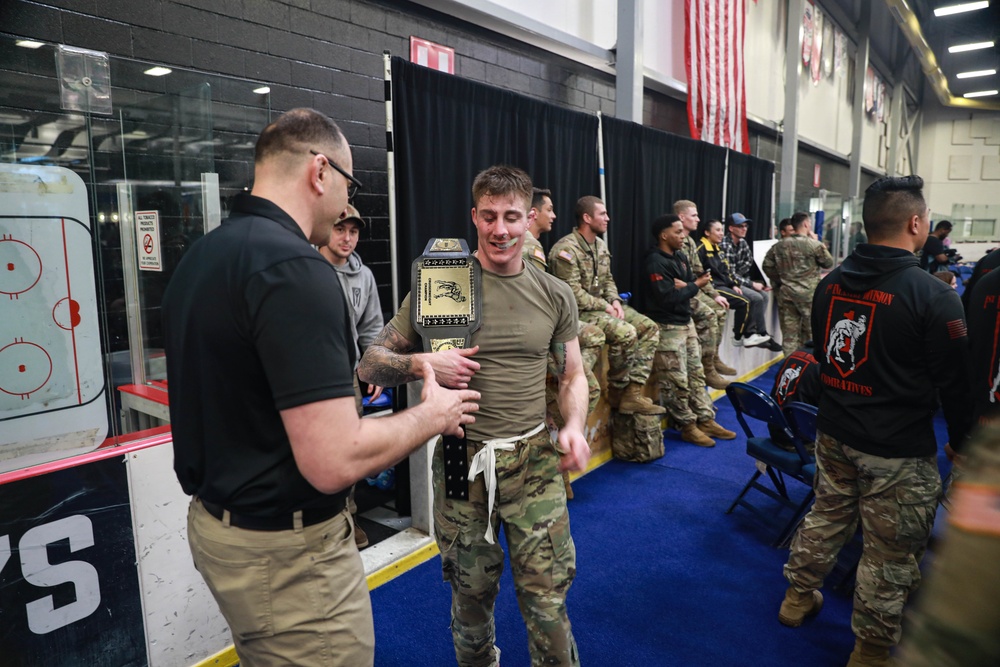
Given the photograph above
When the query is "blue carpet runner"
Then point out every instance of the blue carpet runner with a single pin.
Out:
(664, 576)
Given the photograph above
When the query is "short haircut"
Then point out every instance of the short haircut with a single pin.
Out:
(945, 276)
(501, 180)
(785, 222)
(800, 220)
(703, 228)
(682, 205)
(889, 203)
(585, 206)
(944, 224)
(798, 217)
(538, 196)
(298, 131)
(663, 222)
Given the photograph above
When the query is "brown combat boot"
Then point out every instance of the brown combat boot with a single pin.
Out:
(866, 654)
(716, 430)
(712, 377)
(721, 367)
(569, 489)
(615, 395)
(691, 433)
(633, 402)
(797, 606)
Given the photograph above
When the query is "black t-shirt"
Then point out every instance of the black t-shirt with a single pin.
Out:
(255, 322)
(933, 247)
(985, 265)
(984, 345)
(665, 303)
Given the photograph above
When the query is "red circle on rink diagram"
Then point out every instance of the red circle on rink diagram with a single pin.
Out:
(24, 368)
(66, 314)
(20, 267)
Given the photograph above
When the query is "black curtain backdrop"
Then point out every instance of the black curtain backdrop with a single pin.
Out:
(646, 171)
(448, 129)
(749, 191)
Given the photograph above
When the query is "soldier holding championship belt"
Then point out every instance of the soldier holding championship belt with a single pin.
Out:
(526, 314)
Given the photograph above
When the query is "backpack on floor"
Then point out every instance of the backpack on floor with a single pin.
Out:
(636, 438)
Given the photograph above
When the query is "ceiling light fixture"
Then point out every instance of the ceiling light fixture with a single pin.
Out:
(981, 93)
(975, 46)
(263, 90)
(158, 71)
(948, 10)
(29, 44)
(972, 75)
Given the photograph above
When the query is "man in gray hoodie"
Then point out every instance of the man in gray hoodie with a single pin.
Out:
(361, 293)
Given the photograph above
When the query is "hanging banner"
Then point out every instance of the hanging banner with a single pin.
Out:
(807, 33)
(69, 589)
(816, 57)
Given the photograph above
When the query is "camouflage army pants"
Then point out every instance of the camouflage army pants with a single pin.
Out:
(591, 341)
(531, 506)
(709, 319)
(681, 376)
(895, 500)
(631, 344)
(957, 619)
(796, 323)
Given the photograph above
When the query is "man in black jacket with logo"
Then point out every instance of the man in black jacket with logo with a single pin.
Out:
(889, 338)
(677, 362)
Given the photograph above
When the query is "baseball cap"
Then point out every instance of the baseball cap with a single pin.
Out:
(351, 213)
(734, 219)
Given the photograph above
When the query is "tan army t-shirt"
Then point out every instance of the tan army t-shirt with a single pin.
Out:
(522, 315)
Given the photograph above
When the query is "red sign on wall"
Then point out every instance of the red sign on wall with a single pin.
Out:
(429, 54)
(816, 176)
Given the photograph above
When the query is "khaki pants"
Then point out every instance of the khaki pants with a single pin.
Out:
(290, 597)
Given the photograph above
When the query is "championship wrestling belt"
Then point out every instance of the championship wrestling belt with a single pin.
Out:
(445, 309)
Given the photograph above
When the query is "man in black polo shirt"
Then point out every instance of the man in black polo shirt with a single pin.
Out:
(934, 256)
(889, 338)
(260, 358)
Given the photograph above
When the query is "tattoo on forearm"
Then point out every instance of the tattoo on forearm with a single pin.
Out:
(558, 351)
(387, 362)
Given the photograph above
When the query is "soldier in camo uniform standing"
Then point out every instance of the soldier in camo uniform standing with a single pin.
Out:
(581, 258)
(708, 307)
(793, 266)
(874, 319)
(528, 315)
(541, 216)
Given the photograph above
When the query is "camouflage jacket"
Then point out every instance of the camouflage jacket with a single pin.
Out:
(587, 270)
(691, 252)
(533, 252)
(794, 264)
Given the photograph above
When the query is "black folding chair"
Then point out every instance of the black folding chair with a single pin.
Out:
(776, 462)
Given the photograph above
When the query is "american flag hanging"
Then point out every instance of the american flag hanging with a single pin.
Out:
(713, 57)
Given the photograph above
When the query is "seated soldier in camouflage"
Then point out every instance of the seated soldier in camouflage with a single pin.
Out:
(540, 219)
(582, 259)
(669, 292)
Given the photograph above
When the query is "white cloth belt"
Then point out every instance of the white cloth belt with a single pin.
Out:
(485, 461)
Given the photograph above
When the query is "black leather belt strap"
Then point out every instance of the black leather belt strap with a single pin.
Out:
(456, 467)
(285, 522)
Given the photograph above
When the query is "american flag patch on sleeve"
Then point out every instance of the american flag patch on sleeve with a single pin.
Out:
(565, 254)
(957, 329)
(540, 255)
(976, 508)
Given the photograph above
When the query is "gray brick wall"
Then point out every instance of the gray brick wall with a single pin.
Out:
(325, 54)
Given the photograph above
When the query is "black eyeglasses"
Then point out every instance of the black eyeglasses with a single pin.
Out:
(355, 184)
